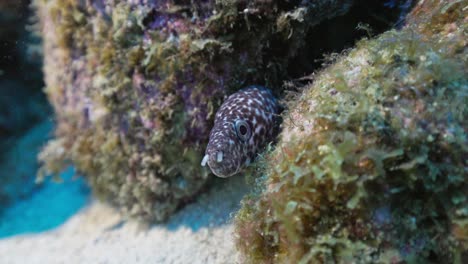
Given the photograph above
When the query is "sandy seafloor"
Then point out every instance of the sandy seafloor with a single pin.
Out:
(61, 223)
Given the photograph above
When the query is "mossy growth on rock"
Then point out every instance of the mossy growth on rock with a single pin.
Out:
(135, 85)
(371, 165)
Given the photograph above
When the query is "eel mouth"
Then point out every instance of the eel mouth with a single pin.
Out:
(220, 175)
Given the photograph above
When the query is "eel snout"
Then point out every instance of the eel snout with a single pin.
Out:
(206, 158)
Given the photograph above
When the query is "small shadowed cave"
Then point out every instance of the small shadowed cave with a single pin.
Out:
(364, 19)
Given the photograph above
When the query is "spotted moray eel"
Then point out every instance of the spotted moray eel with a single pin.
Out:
(243, 125)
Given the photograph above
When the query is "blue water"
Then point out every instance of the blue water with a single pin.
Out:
(49, 207)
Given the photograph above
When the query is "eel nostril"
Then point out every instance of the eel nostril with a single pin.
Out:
(219, 156)
(205, 160)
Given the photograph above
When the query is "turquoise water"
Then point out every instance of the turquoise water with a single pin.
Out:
(47, 208)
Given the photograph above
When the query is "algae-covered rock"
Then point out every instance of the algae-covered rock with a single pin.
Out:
(135, 85)
(371, 165)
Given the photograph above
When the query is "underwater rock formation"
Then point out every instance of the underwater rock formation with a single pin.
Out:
(371, 164)
(135, 85)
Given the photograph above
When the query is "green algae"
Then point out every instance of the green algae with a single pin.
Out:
(371, 162)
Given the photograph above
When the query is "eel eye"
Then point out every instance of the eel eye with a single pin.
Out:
(243, 130)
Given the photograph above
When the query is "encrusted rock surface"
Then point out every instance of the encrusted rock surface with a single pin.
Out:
(371, 164)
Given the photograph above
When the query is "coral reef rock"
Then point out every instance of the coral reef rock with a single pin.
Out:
(135, 85)
(371, 165)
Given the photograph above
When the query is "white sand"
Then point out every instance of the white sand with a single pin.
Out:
(200, 233)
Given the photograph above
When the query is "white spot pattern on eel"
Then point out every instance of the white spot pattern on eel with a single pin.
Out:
(243, 125)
